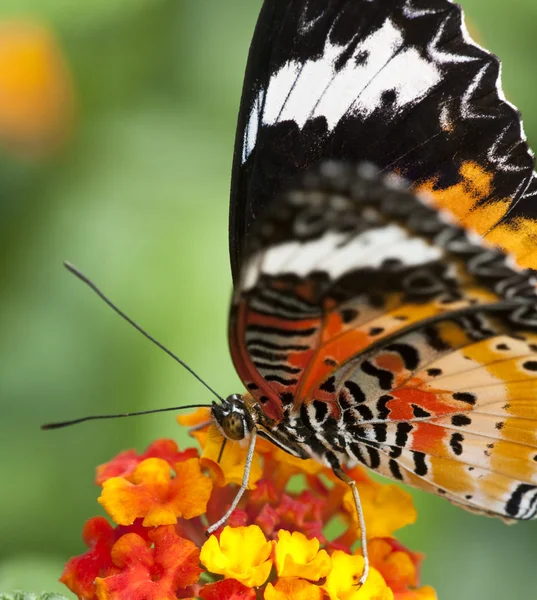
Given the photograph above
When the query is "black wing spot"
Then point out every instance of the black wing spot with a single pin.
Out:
(396, 452)
(419, 412)
(328, 385)
(356, 449)
(456, 443)
(348, 314)
(330, 362)
(502, 347)
(512, 508)
(530, 365)
(383, 411)
(420, 465)
(409, 355)
(374, 458)
(460, 420)
(321, 410)
(499, 425)
(365, 412)
(465, 397)
(355, 391)
(395, 470)
(388, 97)
(385, 378)
(401, 433)
(381, 431)
(434, 372)
(287, 398)
(376, 331)
(281, 380)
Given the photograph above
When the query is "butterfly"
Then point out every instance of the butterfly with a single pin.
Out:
(383, 236)
(383, 239)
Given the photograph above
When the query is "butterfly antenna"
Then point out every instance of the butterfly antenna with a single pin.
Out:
(61, 424)
(90, 284)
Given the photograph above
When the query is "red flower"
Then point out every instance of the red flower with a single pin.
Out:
(230, 589)
(124, 464)
(145, 573)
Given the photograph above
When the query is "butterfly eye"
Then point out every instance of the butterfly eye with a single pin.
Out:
(233, 426)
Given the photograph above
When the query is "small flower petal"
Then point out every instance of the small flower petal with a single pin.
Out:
(198, 417)
(150, 573)
(80, 571)
(228, 466)
(154, 496)
(296, 556)
(124, 464)
(230, 589)
(400, 569)
(293, 589)
(242, 553)
(341, 583)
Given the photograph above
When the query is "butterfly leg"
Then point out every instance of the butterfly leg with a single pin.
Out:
(244, 484)
(361, 521)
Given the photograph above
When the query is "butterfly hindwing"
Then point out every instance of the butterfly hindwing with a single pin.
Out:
(398, 83)
(372, 328)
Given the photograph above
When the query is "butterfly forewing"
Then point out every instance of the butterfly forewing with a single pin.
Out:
(373, 329)
(396, 82)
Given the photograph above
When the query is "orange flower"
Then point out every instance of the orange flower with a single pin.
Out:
(124, 464)
(154, 496)
(293, 589)
(230, 589)
(400, 569)
(36, 95)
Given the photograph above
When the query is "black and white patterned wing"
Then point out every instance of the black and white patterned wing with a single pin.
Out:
(398, 83)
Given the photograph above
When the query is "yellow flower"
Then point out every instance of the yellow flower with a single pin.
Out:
(293, 589)
(296, 556)
(242, 553)
(341, 583)
(227, 466)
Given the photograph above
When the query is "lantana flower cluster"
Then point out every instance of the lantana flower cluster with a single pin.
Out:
(274, 546)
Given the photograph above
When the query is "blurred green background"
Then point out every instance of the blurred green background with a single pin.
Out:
(136, 195)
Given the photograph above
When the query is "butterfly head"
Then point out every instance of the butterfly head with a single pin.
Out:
(233, 417)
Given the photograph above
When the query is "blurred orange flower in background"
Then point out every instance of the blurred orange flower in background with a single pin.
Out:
(36, 91)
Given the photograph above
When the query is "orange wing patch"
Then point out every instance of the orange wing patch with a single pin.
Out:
(462, 198)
